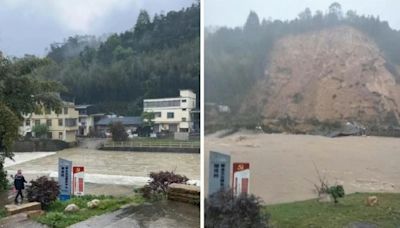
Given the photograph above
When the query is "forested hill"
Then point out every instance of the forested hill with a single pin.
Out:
(156, 58)
(236, 59)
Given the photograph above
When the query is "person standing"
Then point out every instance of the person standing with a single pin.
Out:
(19, 184)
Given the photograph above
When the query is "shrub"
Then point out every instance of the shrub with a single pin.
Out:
(43, 190)
(336, 191)
(223, 209)
(118, 132)
(160, 182)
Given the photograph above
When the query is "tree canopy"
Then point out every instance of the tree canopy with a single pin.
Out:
(21, 94)
(156, 58)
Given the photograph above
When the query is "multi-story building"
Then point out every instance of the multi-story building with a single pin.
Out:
(87, 119)
(62, 126)
(172, 114)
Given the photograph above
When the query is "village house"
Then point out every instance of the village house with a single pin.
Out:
(62, 126)
(130, 123)
(87, 119)
(172, 114)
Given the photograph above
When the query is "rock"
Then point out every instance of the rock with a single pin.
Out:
(325, 198)
(93, 204)
(372, 201)
(71, 208)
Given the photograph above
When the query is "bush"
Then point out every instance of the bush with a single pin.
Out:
(160, 182)
(336, 191)
(43, 190)
(118, 132)
(223, 209)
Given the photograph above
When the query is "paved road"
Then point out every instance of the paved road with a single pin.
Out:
(166, 214)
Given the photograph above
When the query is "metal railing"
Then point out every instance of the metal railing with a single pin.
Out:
(153, 144)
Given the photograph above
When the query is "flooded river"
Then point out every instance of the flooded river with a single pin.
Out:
(107, 172)
(282, 166)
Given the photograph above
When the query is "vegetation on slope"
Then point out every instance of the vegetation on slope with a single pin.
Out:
(351, 209)
(156, 58)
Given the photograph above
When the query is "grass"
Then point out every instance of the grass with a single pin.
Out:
(56, 217)
(351, 208)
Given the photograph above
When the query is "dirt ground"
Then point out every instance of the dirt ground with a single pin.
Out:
(282, 166)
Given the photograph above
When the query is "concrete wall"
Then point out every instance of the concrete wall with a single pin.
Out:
(40, 145)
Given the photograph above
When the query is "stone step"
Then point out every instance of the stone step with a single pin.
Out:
(19, 220)
(13, 209)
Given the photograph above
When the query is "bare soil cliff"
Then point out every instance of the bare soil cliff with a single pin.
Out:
(336, 74)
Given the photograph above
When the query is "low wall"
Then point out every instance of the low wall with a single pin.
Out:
(152, 149)
(42, 145)
(184, 193)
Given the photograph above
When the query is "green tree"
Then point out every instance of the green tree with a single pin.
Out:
(253, 22)
(21, 94)
(118, 132)
(148, 119)
(40, 130)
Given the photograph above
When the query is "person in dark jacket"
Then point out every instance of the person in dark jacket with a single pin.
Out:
(19, 184)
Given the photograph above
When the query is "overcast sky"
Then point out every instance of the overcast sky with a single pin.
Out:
(234, 12)
(30, 26)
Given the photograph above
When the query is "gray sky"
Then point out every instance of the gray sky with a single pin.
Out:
(234, 12)
(30, 26)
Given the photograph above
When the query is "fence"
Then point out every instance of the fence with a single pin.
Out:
(151, 144)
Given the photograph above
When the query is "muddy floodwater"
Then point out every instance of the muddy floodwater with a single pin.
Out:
(282, 166)
(107, 172)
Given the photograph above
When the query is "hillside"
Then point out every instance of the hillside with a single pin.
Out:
(155, 58)
(336, 74)
(311, 74)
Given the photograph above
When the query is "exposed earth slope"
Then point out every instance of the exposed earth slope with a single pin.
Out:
(336, 74)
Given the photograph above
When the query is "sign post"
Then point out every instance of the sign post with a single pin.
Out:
(64, 178)
(241, 178)
(79, 180)
(219, 172)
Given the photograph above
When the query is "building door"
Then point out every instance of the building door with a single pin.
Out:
(173, 127)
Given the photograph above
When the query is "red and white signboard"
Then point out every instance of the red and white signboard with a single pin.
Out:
(78, 173)
(241, 178)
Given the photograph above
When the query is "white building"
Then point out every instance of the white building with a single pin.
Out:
(172, 114)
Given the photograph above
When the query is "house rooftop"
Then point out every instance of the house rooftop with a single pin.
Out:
(82, 106)
(127, 120)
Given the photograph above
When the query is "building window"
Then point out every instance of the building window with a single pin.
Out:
(168, 103)
(222, 179)
(49, 135)
(184, 119)
(60, 122)
(216, 170)
(157, 114)
(37, 122)
(184, 101)
(71, 122)
(60, 135)
(170, 115)
(48, 122)
(66, 111)
(28, 122)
